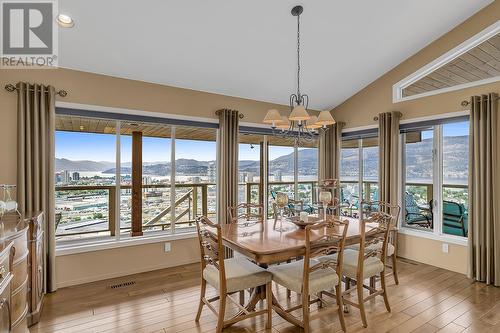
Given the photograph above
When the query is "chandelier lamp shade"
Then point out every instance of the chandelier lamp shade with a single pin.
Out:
(299, 124)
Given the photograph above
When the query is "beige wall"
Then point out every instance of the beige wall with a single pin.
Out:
(430, 252)
(93, 266)
(360, 109)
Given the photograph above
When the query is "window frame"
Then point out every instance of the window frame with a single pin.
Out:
(95, 242)
(361, 171)
(482, 36)
(437, 232)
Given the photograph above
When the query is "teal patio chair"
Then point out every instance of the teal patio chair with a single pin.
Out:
(455, 219)
(416, 215)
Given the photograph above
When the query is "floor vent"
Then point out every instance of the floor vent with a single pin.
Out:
(121, 285)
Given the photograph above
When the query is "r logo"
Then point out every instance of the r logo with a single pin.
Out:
(27, 28)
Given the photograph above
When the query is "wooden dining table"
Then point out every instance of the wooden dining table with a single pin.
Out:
(271, 241)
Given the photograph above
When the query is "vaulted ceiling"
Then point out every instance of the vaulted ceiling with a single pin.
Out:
(247, 48)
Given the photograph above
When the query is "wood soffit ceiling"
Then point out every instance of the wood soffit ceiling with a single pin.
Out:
(481, 62)
(108, 126)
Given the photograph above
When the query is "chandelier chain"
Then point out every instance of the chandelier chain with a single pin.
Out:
(298, 58)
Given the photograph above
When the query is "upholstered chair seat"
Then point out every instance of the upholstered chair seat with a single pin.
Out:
(241, 274)
(291, 276)
(372, 247)
(371, 267)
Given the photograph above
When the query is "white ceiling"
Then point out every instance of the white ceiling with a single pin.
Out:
(247, 48)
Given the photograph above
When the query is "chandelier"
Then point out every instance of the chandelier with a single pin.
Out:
(299, 125)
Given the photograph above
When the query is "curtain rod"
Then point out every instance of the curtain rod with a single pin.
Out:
(467, 103)
(397, 113)
(11, 88)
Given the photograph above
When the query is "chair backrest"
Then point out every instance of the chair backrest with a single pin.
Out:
(293, 206)
(248, 212)
(321, 239)
(373, 207)
(211, 248)
(410, 204)
(376, 233)
(453, 210)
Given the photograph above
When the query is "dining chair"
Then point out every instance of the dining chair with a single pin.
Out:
(246, 212)
(228, 276)
(367, 263)
(392, 245)
(310, 277)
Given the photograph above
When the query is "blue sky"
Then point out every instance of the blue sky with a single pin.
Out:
(101, 147)
(452, 129)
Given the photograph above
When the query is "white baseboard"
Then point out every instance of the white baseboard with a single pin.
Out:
(94, 278)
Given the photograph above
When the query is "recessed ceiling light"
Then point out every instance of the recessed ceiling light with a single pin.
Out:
(65, 21)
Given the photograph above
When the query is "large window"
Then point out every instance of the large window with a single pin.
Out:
(195, 175)
(84, 178)
(293, 170)
(435, 170)
(307, 173)
(249, 168)
(91, 155)
(358, 174)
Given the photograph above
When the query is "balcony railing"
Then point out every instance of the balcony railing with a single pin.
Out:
(187, 207)
(98, 202)
(421, 192)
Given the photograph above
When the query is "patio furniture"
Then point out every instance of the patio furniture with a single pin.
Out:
(417, 215)
(455, 219)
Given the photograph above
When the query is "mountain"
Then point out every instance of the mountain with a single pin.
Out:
(65, 164)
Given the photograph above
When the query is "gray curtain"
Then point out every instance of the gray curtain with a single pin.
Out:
(228, 162)
(388, 139)
(35, 160)
(484, 187)
(330, 143)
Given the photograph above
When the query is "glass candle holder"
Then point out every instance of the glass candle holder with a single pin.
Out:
(281, 202)
(325, 197)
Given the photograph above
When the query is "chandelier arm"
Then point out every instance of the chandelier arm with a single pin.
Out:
(293, 100)
(305, 100)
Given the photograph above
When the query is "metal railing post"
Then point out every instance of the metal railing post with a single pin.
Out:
(204, 203)
(195, 201)
(112, 211)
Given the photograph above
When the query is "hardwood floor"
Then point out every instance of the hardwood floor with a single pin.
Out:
(428, 299)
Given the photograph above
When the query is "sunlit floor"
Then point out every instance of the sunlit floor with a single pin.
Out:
(428, 299)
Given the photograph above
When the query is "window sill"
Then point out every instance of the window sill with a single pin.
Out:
(462, 241)
(82, 246)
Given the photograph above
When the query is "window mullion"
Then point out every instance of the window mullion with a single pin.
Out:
(437, 179)
(172, 179)
(360, 178)
(296, 171)
(117, 180)
(265, 173)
